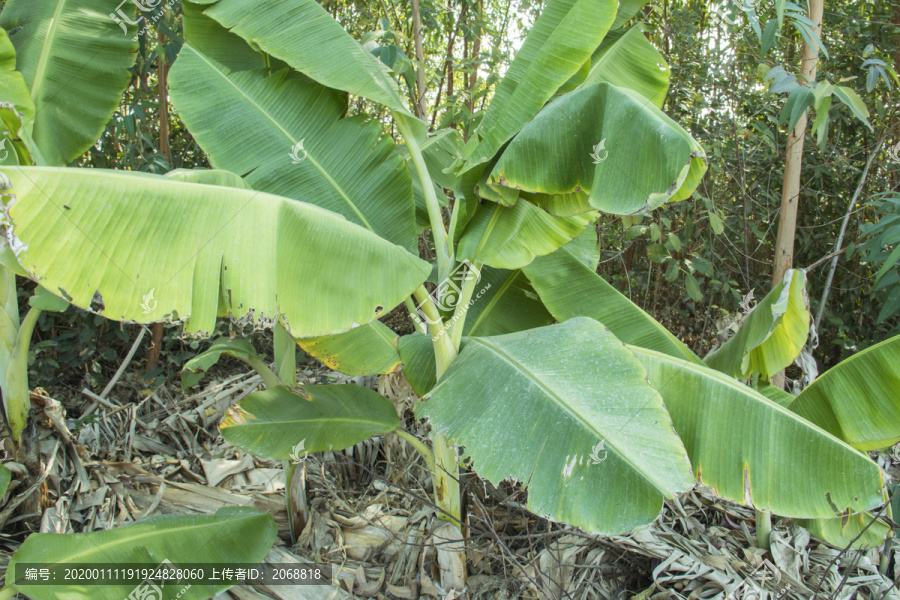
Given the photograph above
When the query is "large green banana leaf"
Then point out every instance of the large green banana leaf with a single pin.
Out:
(303, 34)
(151, 246)
(75, 60)
(858, 400)
(569, 288)
(567, 410)
(510, 237)
(234, 535)
(281, 423)
(755, 452)
(608, 141)
(771, 336)
(556, 48)
(300, 146)
(365, 350)
(628, 59)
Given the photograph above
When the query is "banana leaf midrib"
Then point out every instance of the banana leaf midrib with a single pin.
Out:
(46, 52)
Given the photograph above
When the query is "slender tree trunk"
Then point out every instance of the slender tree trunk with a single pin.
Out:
(162, 72)
(420, 58)
(790, 191)
(476, 50)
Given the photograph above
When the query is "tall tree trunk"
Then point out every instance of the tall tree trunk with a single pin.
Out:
(790, 191)
(476, 50)
(420, 58)
(162, 72)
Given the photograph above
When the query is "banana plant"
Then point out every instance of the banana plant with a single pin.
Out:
(529, 365)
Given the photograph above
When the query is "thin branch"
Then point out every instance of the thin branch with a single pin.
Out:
(824, 259)
(840, 239)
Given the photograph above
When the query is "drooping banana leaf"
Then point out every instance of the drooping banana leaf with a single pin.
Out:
(510, 303)
(209, 177)
(607, 141)
(204, 250)
(771, 336)
(752, 451)
(775, 394)
(280, 423)
(75, 59)
(858, 400)
(569, 288)
(567, 410)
